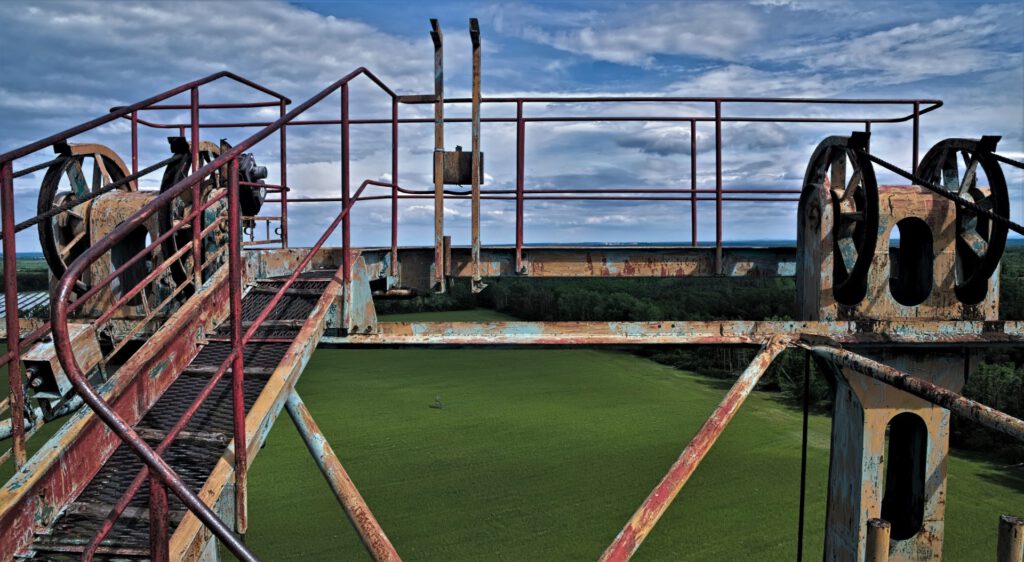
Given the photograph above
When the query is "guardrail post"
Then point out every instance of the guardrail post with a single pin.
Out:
(10, 261)
(394, 186)
(158, 530)
(718, 187)
(284, 179)
(474, 35)
(878, 540)
(237, 365)
(1011, 539)
(693, 182)
(917, 134)
(197, 221)
(438, 39)
(345, 232)
(520, 173)
(135, 142)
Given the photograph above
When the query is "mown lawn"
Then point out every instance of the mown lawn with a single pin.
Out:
(544, 454)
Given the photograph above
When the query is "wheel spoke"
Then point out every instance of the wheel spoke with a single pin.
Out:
(847, 252)
(66, 250)
(76, 176)
(970, 176)
(949, 174)
(838, 170)
(852, 187)
(102, 167)
(975, 242)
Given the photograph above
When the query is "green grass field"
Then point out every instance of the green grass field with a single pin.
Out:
(544, 454)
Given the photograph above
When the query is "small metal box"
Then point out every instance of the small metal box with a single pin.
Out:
(458, 167)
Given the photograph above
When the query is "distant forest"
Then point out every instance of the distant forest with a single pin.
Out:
(998, 381)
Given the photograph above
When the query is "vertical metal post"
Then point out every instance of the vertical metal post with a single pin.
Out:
(718, 187)
(237, 365)
(693, 182)
(11, 304)
(917, 134)
(135, 142)
(394, 186)
(438, 39)
(1010, 547)
(158, 529)
(878, 540)
(803, 458)
(867, 142)
(197, 221)
(520, 176)
(345, 223)
(284, 179)
(474, 35)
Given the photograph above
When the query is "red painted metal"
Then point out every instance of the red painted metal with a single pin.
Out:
(520, 178)
(135, 142)
(156, 470)
(17, 401)
(718, 186)
(693, 183)
(394, 186)
(636, 530)
(284, 178)
(237, 365)
(346, 241)
(158, 524)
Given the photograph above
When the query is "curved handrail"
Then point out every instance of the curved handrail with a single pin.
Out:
(64, 292)
(127, 110)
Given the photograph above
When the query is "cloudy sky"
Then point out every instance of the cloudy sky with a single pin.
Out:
(65, 62)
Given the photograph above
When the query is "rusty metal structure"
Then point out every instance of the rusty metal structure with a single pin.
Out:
(185, 341)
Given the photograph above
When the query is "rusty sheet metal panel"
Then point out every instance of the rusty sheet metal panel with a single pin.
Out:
(276, 262)
(596, 261)
(638, 527)
(62, 468)
(358, 312)
(191, 539)
(875, 333)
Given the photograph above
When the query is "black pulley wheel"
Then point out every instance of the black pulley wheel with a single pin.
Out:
(839, 166)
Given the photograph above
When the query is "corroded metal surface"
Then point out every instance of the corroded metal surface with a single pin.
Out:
(636, 530)
(868, 333)
(359, 514)
(65, 465)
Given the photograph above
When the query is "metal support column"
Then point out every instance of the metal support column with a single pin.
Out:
(438, 38)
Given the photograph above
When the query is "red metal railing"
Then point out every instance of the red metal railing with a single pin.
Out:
(160, 475)
(16, 344)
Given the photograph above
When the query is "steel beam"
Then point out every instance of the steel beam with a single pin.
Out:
(638, 527)
(868, 334)
(956, 403)
(370, 532)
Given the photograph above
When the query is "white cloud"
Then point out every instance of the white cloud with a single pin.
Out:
(637, 34)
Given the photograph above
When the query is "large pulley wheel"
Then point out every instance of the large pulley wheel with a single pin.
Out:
(840, 167)
(180, 167)
(79, 171)
(956, 164)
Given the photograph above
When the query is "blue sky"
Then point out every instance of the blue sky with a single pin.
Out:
(65, 62)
